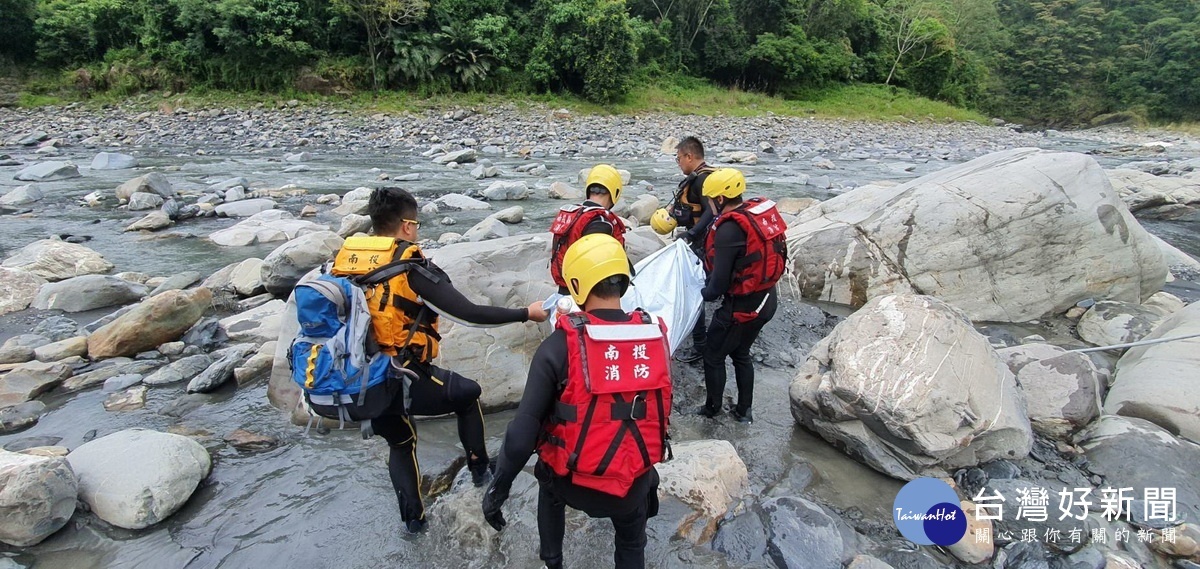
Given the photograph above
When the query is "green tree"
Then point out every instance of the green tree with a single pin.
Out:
(585, 46)
(378, 17)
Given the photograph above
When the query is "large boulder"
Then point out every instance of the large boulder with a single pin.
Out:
(137, 478)
(282, 269)
(22, 195)
(30, 380)
(802, 535)
(1133, 453)
(88, 292)
(1062, 389)
(245, 208)
(1142, 190)
(1007, 237)
(37, 497)
(503, 191)
(460, 202)
(265, 227)
(1110, 322)
(707, 475)
(354, 223)
(257, 325)
(221, 370)
(157, 320)
(18, 288)
(153, 183)
(641, 242)
(153, 221)
(907, 386)
(642, 208)
(113, 161)
(489, 228)
(55, 260)
(463, 156)
(1159, 383)
(47, 172)
(141, 201)
(246, 278)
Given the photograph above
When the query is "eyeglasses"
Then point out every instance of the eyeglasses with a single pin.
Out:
(415, 223)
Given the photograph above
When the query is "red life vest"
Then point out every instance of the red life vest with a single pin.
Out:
(568, 227)
(610, 421)
(766, 246)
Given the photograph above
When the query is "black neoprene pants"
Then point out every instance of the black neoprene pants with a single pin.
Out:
(436, 392)
(730, 339)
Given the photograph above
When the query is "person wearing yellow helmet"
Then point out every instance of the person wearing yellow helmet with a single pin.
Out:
(605, 360)
(689, 209)
(593, 216)
(745, 254)
(405, 326)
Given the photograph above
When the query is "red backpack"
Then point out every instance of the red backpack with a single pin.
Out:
(610, 422)
(766, 246)
(568, 227)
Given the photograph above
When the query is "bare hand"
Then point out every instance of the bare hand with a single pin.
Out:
(537, 313)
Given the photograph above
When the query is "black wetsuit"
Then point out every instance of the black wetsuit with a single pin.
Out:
(547, 379)
(727, 338)
(437, 391)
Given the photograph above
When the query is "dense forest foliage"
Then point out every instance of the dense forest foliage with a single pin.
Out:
(1041, 60)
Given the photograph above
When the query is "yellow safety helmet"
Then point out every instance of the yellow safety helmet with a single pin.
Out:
(662, 222)
(724, 183)
(606, 176)
(591, 259)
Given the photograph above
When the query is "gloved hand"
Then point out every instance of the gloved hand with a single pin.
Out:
(688, 237)
(493, 500)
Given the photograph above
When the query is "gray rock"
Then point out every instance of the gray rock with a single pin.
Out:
(801, 534)
(39, 497)
(246, 278)
(56, 260)
(1013, 490)
(959, 404)
(227, 184)
(1157, 382)
(123, 381)
(20, 349)
(461, 202)
(20, 416)
(513, 214)
(407, 177)
(22, 195)
(352, 207)
(205, 334)
(506, 191)
(18, 289)
(1111, 322)
(115, 367)
(489, 228)
(219, 372)
(873, 240)
(177, 282)
(298, 157)
(61, 350)
(562, 191)
(235, 194)
(823, 163)
(129, 400)
(57, 328)
(481, 172)
(153, 221)
(113, 161)
(137, 478)
(153, 183)
(88, 292)
(182, 370)
(643, 208)
(29, 139)
(290, 261)
(265, 227)
(463, 156)
(47, 172)
(1120, 448)
(141, 201)
(245, 208)
(1062, 389)
(29, 380)
(257, 326)
(352, 224)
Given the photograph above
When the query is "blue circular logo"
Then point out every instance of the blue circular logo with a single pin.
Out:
(927, 512)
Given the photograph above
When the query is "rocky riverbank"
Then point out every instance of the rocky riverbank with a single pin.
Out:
(144, 315)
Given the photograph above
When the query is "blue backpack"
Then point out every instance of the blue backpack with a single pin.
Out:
(334, 360)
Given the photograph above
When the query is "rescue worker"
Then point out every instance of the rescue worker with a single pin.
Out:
(596, 408)
(690, 210)
(745, 254)
(594, 215)
(405, 323)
